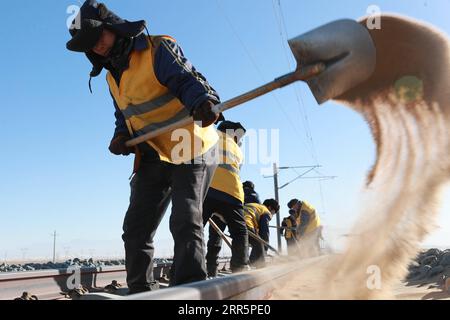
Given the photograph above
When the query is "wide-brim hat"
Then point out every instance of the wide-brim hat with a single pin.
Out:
(94, 17)
(87, 36)
(230, 125)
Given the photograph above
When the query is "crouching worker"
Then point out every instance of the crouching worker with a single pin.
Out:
(225, 200)
(309, 229)
(257, 217)
(154, 85)
(289, 230)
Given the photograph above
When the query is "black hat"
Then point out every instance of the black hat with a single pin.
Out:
(230, 125)
(272, 203)
(248, 185)
(94, 17)
(292, 203)
(85, 39)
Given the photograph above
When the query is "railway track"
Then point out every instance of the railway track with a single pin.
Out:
(252, 285)
(65, 283)
(61, 284)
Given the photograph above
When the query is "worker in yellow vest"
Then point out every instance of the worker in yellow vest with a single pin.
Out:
(154, 85)
(289, 230)
(225, 199)
(309, 229)
(257, 217)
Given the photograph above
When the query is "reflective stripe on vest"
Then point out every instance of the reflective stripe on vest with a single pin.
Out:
(158, 125)
(147, 105)
(136, 110)
(229, 167)
(234, 158)
(226, 178)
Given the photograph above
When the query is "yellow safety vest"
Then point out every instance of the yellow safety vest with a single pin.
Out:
(226, 178)
(147, 105)
(289, 233)
(253, 213)
(314, 220)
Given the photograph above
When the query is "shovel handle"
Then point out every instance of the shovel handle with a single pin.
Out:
(221, 234)
(257, 238)
(304, 73)
(283, 228)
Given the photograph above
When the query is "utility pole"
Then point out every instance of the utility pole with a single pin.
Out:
(277, 188)
(54, 246)
(277, 198)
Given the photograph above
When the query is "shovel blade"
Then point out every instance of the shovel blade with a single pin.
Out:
(348, 51)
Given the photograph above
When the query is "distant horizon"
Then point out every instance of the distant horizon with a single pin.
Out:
(106, 258)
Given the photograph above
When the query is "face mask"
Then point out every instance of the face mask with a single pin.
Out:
(118, 57)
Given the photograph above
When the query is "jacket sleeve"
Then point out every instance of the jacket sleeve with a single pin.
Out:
(264, 227)
(304, 221)
(257, 197)
(121, 126)
(175, 72)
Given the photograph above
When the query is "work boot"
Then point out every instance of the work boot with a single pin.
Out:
(258, 264)
(243, 268)
(212, 272)
(154, 285)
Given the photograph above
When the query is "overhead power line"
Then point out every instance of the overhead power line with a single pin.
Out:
(260, 73)
(301, 106)
(303, 116)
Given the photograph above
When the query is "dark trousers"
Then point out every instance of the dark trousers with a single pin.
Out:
(214, 246)
(257, 256)
(291, 246)
(310, 243)
(154, 185)
(234, 219)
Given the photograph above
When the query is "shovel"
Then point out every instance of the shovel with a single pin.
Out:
(260, 240)
(219, 232)
(332, 59)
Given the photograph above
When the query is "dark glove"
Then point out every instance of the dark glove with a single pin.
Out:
(205, 114)
(118, 147)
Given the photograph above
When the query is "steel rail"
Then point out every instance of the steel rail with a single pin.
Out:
(49, 284)
(252, 285)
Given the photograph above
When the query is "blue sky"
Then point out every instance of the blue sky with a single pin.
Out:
(57, 173)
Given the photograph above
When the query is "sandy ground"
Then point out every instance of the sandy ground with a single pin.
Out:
(308, 285)
(420, 292)
(431, 289)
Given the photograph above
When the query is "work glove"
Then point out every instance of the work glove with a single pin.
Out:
(206, 115)
(118, 147)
